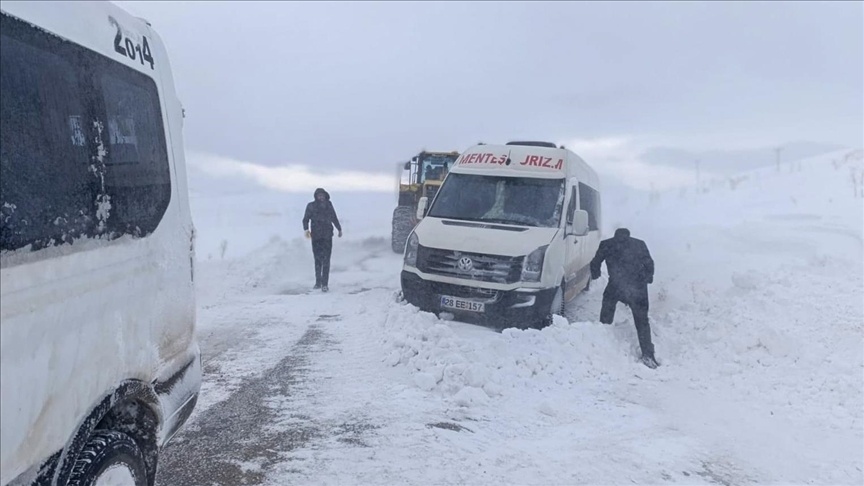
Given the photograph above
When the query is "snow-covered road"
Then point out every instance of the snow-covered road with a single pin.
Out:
(757, 315)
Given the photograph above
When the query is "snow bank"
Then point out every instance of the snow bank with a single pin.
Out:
(469, 369)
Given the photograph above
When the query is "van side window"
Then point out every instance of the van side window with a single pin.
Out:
(137, 178)
(82, 144)
(589, 200)
(43, 155)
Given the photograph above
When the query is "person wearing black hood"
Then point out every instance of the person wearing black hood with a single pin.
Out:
(631, 269)
(321, 214)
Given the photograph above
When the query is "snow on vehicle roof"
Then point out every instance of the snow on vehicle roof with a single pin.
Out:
(99, 26)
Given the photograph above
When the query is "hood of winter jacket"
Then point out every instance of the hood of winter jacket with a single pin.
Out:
(622, 234)
(322, 191)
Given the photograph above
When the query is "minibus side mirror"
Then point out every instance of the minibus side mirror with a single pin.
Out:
(579, 227)
(421, 207)
(408, 165)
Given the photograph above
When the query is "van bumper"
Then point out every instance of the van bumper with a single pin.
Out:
(503, 308)
(178, 395)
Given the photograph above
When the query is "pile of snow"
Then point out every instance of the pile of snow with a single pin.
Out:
(492, 364)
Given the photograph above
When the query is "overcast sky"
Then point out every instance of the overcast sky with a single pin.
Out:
(362, 86)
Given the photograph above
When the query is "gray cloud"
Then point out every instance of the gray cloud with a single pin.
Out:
(364, 85)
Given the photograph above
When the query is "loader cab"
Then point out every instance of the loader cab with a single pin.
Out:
(423, 175)
(435, 166)
(419, 180)
(428, 167)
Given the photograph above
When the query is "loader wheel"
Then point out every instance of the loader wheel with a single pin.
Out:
(403, 223)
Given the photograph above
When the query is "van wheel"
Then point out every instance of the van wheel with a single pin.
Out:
(109, 458)
(556, 307)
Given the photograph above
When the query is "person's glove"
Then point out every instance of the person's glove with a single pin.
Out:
(308, 234)
(651, 279)
(340, 233)
(595, 276)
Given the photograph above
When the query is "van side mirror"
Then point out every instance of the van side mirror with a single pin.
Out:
(579, 227)
(408, 165)
(421, 207)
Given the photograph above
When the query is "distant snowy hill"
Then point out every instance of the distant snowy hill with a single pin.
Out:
(727, 162)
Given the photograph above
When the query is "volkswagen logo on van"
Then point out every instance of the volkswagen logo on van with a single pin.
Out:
(465, 264)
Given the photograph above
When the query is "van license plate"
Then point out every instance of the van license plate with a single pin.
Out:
(456, 303)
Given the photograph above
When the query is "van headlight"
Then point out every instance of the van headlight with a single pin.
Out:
(532, 267)
(411, 250)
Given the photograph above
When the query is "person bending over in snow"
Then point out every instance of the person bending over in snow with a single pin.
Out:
(631, 269)
(321, 214)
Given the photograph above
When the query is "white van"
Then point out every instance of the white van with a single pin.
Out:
(99, 364)
(509, 236)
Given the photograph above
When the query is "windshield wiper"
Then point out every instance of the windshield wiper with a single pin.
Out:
(455, 217)
(505, 221)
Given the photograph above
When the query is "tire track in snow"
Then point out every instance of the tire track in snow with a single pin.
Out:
(264, 383)
(233, 442)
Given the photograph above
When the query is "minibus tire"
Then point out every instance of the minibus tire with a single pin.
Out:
(549, 318)
(105, 450)
(563, 308)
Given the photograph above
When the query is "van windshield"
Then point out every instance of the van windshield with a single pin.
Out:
(507, 200)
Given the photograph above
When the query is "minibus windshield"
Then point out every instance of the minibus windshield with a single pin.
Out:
(507, 200)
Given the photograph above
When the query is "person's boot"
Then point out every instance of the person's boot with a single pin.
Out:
(650, 362)
(317, 285)
(325, 288)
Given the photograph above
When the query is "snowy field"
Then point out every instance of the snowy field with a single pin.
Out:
(757, 311)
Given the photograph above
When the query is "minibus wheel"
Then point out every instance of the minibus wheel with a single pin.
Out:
(557, 307)
(109, 458)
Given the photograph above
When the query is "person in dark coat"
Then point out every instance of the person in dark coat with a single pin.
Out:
(322, 216)
(631, 269)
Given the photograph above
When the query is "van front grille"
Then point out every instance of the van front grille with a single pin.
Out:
(473, 266)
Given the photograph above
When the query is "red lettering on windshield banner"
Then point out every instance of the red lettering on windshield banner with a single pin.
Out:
(486, 159)
(539, 161)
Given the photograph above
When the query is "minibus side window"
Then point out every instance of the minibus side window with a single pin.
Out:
(45, 189)
(82, 144)
(589, 200)
(137, 178)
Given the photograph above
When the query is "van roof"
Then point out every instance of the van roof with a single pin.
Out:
(534, 144)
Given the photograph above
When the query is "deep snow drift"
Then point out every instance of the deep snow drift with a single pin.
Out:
(757, 316)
